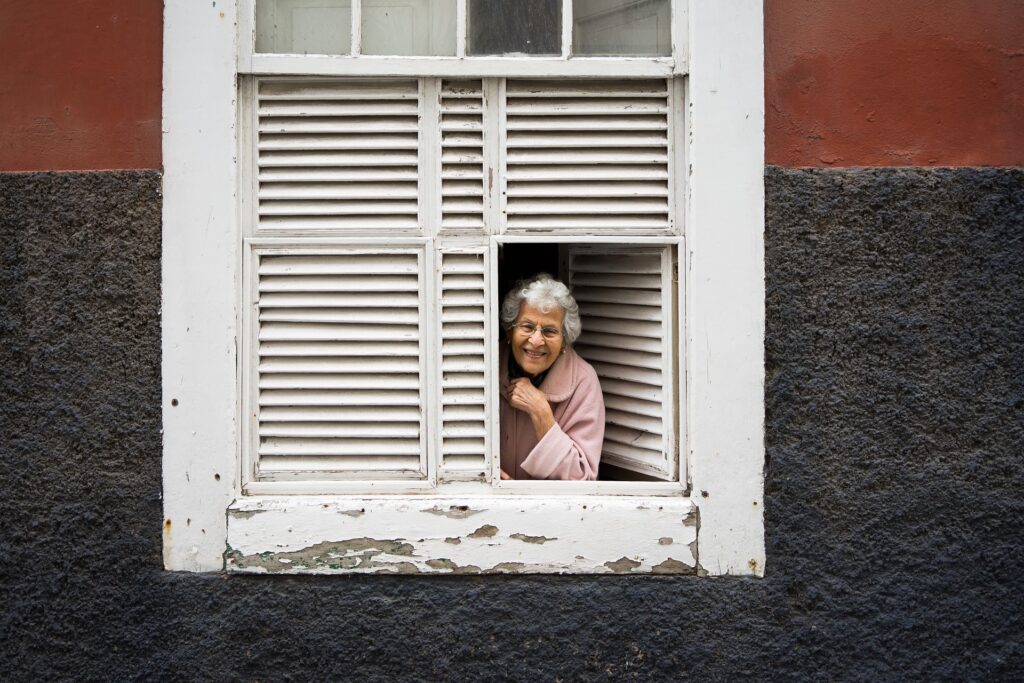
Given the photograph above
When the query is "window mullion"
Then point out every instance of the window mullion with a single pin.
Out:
(460, 28)
(357, 27)
(429, 181)
(566, 29)
(493, 144)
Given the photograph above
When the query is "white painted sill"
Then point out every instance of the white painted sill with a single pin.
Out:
(462, 535)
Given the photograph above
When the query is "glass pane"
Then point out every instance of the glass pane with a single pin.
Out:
(524, 26)
(621, 27)
(321, 27)
(408, 27)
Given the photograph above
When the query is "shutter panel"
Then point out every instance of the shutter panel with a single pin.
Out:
(462, 156)
(625, 299)
(587, 156)
(463, 306)
(339, 372)
(338, 154)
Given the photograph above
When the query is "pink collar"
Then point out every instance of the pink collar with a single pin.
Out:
(561, 379)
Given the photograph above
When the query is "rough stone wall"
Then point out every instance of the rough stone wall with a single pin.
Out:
(895, 435)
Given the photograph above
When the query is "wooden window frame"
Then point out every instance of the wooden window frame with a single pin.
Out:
(559, 529)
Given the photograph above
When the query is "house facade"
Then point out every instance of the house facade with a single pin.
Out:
(893, 424)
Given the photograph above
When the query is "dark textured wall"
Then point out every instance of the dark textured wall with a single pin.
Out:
(895, 434)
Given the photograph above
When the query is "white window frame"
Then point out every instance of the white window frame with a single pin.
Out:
(717, 529)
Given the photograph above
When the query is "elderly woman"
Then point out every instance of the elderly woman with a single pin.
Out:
(552, 410)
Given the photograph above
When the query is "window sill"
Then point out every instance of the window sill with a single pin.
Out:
(462, 535)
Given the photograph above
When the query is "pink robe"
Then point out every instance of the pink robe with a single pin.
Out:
(571, 449)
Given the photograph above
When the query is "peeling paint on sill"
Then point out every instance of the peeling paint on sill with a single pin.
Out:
(453, 512)
(519, 535)
(532, 539)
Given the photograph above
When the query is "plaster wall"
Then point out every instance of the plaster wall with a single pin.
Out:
(895, 426)
(848, 83)
(883, 83)
(80, 84)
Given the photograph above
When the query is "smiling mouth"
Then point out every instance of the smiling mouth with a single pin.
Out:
(534, 354)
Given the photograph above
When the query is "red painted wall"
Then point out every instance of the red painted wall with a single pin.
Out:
(848, 83)
(894, 82)
(80, 84)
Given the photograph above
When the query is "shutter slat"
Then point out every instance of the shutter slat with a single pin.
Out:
(596, 354)
(589, 88)
(354, 349)
(405, 299)
(326, 129)
(335, 208)
(323, 414)
(604, 139)
(605, 172)
(639, 297)
(322, 332)
(630, 371)
(628, 418)
(328, 89)
(590, 189)
(281, 124)
(396, 107)
(339, 315)
(374, 161)
(338, 283)
(363, 398)
(276, 380)
(334, 365)
(329, 430)
(623, 311)
(358, 222)
(363, 190)
(588, 123)
(570, 206)
(357, 141)
(300, 174)
(383, 466)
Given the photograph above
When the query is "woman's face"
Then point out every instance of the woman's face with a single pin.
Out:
(534, 351)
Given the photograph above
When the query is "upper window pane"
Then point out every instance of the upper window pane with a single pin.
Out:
(409, 27)
(621, 27)
(304, 26)
(524, 26)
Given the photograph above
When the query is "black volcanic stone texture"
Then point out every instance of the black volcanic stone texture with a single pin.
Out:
(894, 480)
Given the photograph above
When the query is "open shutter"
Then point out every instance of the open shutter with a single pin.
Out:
(463, 308)
(625, 296)
(462, 156)
(587, 156)
(338, 376)
(338, 154)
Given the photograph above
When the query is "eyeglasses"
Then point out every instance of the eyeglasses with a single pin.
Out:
(549, 333)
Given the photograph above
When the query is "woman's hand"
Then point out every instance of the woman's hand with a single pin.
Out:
(522, 395)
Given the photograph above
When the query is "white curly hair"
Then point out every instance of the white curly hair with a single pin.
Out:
(544, 293)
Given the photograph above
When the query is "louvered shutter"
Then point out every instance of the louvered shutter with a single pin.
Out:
(338, 154)
(625, 296)
(338, 367)
(462, 156)
(587, 156)
(464, 372)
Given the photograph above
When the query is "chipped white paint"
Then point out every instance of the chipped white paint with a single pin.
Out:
(725, 282)
(444, 535)
(199, 282)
